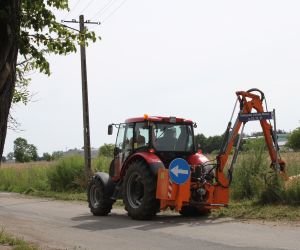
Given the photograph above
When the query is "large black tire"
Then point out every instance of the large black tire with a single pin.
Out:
(139, 191)
(190, 211)
(99, 200)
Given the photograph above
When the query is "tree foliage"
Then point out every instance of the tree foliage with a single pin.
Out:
(57, 155)
(294, 139)
(46, 157)
(212, 143)
(208, 144)
(10, 156)
(24, 152)
(29, 33)
(107, 150)
(40, 35)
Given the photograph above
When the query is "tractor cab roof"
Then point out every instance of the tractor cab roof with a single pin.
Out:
(170, 119)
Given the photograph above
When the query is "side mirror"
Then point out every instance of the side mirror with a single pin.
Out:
(110, 129)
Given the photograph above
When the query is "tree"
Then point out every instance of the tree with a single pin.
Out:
(32, 151)
(294, 139)
(57, 155)
(107, 150)
(24, 152)
(10, 156)
(200, 141)
(29, 29)
(213, 143)
(46, 157)
(209, 144)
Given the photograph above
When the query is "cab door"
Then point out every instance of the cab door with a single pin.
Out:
(123, 148)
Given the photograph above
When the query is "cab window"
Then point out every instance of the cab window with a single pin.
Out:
(141, 135)
(128, 137)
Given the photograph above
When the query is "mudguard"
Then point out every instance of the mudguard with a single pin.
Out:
(152, 160)
(108, 184)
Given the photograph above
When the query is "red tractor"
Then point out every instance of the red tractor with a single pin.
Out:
(157, 165)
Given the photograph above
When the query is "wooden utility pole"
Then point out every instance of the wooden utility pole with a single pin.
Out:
(85, 100)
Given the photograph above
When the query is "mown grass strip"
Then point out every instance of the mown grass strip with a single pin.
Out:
(14, 242)
(250, 209)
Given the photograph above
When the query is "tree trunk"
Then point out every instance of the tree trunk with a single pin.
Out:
(9, 34)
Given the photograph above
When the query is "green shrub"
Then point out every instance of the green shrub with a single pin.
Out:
(67, 174)
(294, 139)
(107, 150)
(101, 163)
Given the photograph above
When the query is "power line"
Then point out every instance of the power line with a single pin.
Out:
(88, 5)
(104, 8)
(72, 9)
(75, 5)
(113, 12)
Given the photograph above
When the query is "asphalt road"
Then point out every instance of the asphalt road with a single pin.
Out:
(69, 225)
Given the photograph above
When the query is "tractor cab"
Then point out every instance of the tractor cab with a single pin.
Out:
(166, 137)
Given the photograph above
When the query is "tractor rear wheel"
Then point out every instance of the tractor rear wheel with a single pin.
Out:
(139, 191)
(99, 200)
(190, 211)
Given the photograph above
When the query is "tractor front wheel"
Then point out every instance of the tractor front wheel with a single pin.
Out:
(139, 191)
(98, 198)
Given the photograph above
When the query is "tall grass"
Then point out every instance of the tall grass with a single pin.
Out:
(254, 179)
(64, 175)
(22, 179)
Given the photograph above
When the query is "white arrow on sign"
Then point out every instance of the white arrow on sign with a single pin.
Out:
(176, 171)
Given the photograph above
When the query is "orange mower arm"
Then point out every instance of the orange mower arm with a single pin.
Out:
(249, 102)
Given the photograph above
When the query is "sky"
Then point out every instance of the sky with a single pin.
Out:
(172, 58)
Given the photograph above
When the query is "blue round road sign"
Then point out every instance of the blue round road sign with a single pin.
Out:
(179, 171)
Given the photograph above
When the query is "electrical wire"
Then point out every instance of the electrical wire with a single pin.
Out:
(113, 12)
(88, 5)
(72, 9)
(103, 9)
(75, 5)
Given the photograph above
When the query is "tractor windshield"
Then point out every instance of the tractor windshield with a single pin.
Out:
(172, 137)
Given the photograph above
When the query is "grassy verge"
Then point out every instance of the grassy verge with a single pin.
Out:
(67, 196)
(253, 210)
(15, 243)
